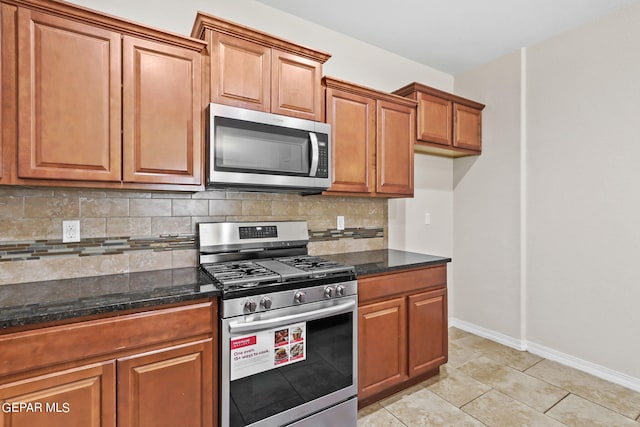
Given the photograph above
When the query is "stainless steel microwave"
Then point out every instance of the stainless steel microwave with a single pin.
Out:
(254, 150)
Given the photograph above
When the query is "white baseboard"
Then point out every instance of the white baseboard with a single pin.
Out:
(488, 334)
(585, 366)
(551, 354)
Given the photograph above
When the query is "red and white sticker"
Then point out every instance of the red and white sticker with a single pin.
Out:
(265, 350)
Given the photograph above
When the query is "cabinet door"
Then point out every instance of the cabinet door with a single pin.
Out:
(434, 119)
(5, 10)
(353, 129)
(428, 345)
(240, 73)
(394, 150)
(382, 346)
(162, 141)
(467, 132)
(295, 86)
(69, 99)
(168, 387)
(79, 397)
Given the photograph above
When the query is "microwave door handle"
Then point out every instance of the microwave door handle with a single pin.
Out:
(315, 154)
(258, 325)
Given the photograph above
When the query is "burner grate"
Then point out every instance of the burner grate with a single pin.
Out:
(241, 273)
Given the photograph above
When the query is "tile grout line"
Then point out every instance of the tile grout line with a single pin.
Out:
(393, 415)
(569, 392)
(514, 398)
(535, 364)
(557, 403)
(474, 399)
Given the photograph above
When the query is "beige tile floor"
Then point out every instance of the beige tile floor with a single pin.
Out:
(488, 384)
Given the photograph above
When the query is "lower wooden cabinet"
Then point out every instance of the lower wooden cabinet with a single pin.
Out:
(167, 387)
(78, 397)
(428, 338)
(153, 368)
(402, 330)
(382, 346)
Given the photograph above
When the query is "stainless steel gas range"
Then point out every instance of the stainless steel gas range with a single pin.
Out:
(288, 327)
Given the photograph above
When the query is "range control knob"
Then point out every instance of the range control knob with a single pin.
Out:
(329, 292)
(265, 303)
(250, 306)
(298, 297)
(340, 291)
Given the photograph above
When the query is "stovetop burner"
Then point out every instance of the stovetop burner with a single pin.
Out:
(314, 264)
(242, 258)
(241, 273)
(247, 274)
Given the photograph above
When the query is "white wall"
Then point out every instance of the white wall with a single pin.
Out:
(583, 103)
(433, 195)
(486, 257)
(581, 195)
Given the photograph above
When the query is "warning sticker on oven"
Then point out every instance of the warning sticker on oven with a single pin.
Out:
(265, 350)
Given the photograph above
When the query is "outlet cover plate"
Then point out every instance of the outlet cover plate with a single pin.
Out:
(70, 231)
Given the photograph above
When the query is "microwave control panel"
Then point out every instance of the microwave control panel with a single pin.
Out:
(323, 160)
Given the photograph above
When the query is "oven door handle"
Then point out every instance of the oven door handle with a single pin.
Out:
(258, 325)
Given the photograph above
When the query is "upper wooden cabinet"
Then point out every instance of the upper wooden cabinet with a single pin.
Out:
(162, 139)
(447, 125)
(69, 99)
(7, 92)
(254, 70)
(3, 101)
(373, 134)
(101, 102)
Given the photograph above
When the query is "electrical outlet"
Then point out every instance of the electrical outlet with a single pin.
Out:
(340, 222)
(71, 231)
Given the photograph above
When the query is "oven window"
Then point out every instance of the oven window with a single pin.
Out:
(257, 148)
(328, 367)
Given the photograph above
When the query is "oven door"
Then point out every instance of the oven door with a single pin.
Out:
(282, 366)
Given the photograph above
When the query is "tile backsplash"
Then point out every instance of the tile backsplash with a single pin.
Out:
(124, 231)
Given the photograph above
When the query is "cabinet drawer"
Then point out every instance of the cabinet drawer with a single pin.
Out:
(376, 287)
(40, 348)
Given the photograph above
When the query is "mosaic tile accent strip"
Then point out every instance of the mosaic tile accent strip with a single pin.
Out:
(38, 249)
(347, 233)
(33, 250)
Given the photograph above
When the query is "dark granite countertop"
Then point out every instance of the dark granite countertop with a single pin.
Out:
(386, 260)
(56, 300)
(38, 302)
